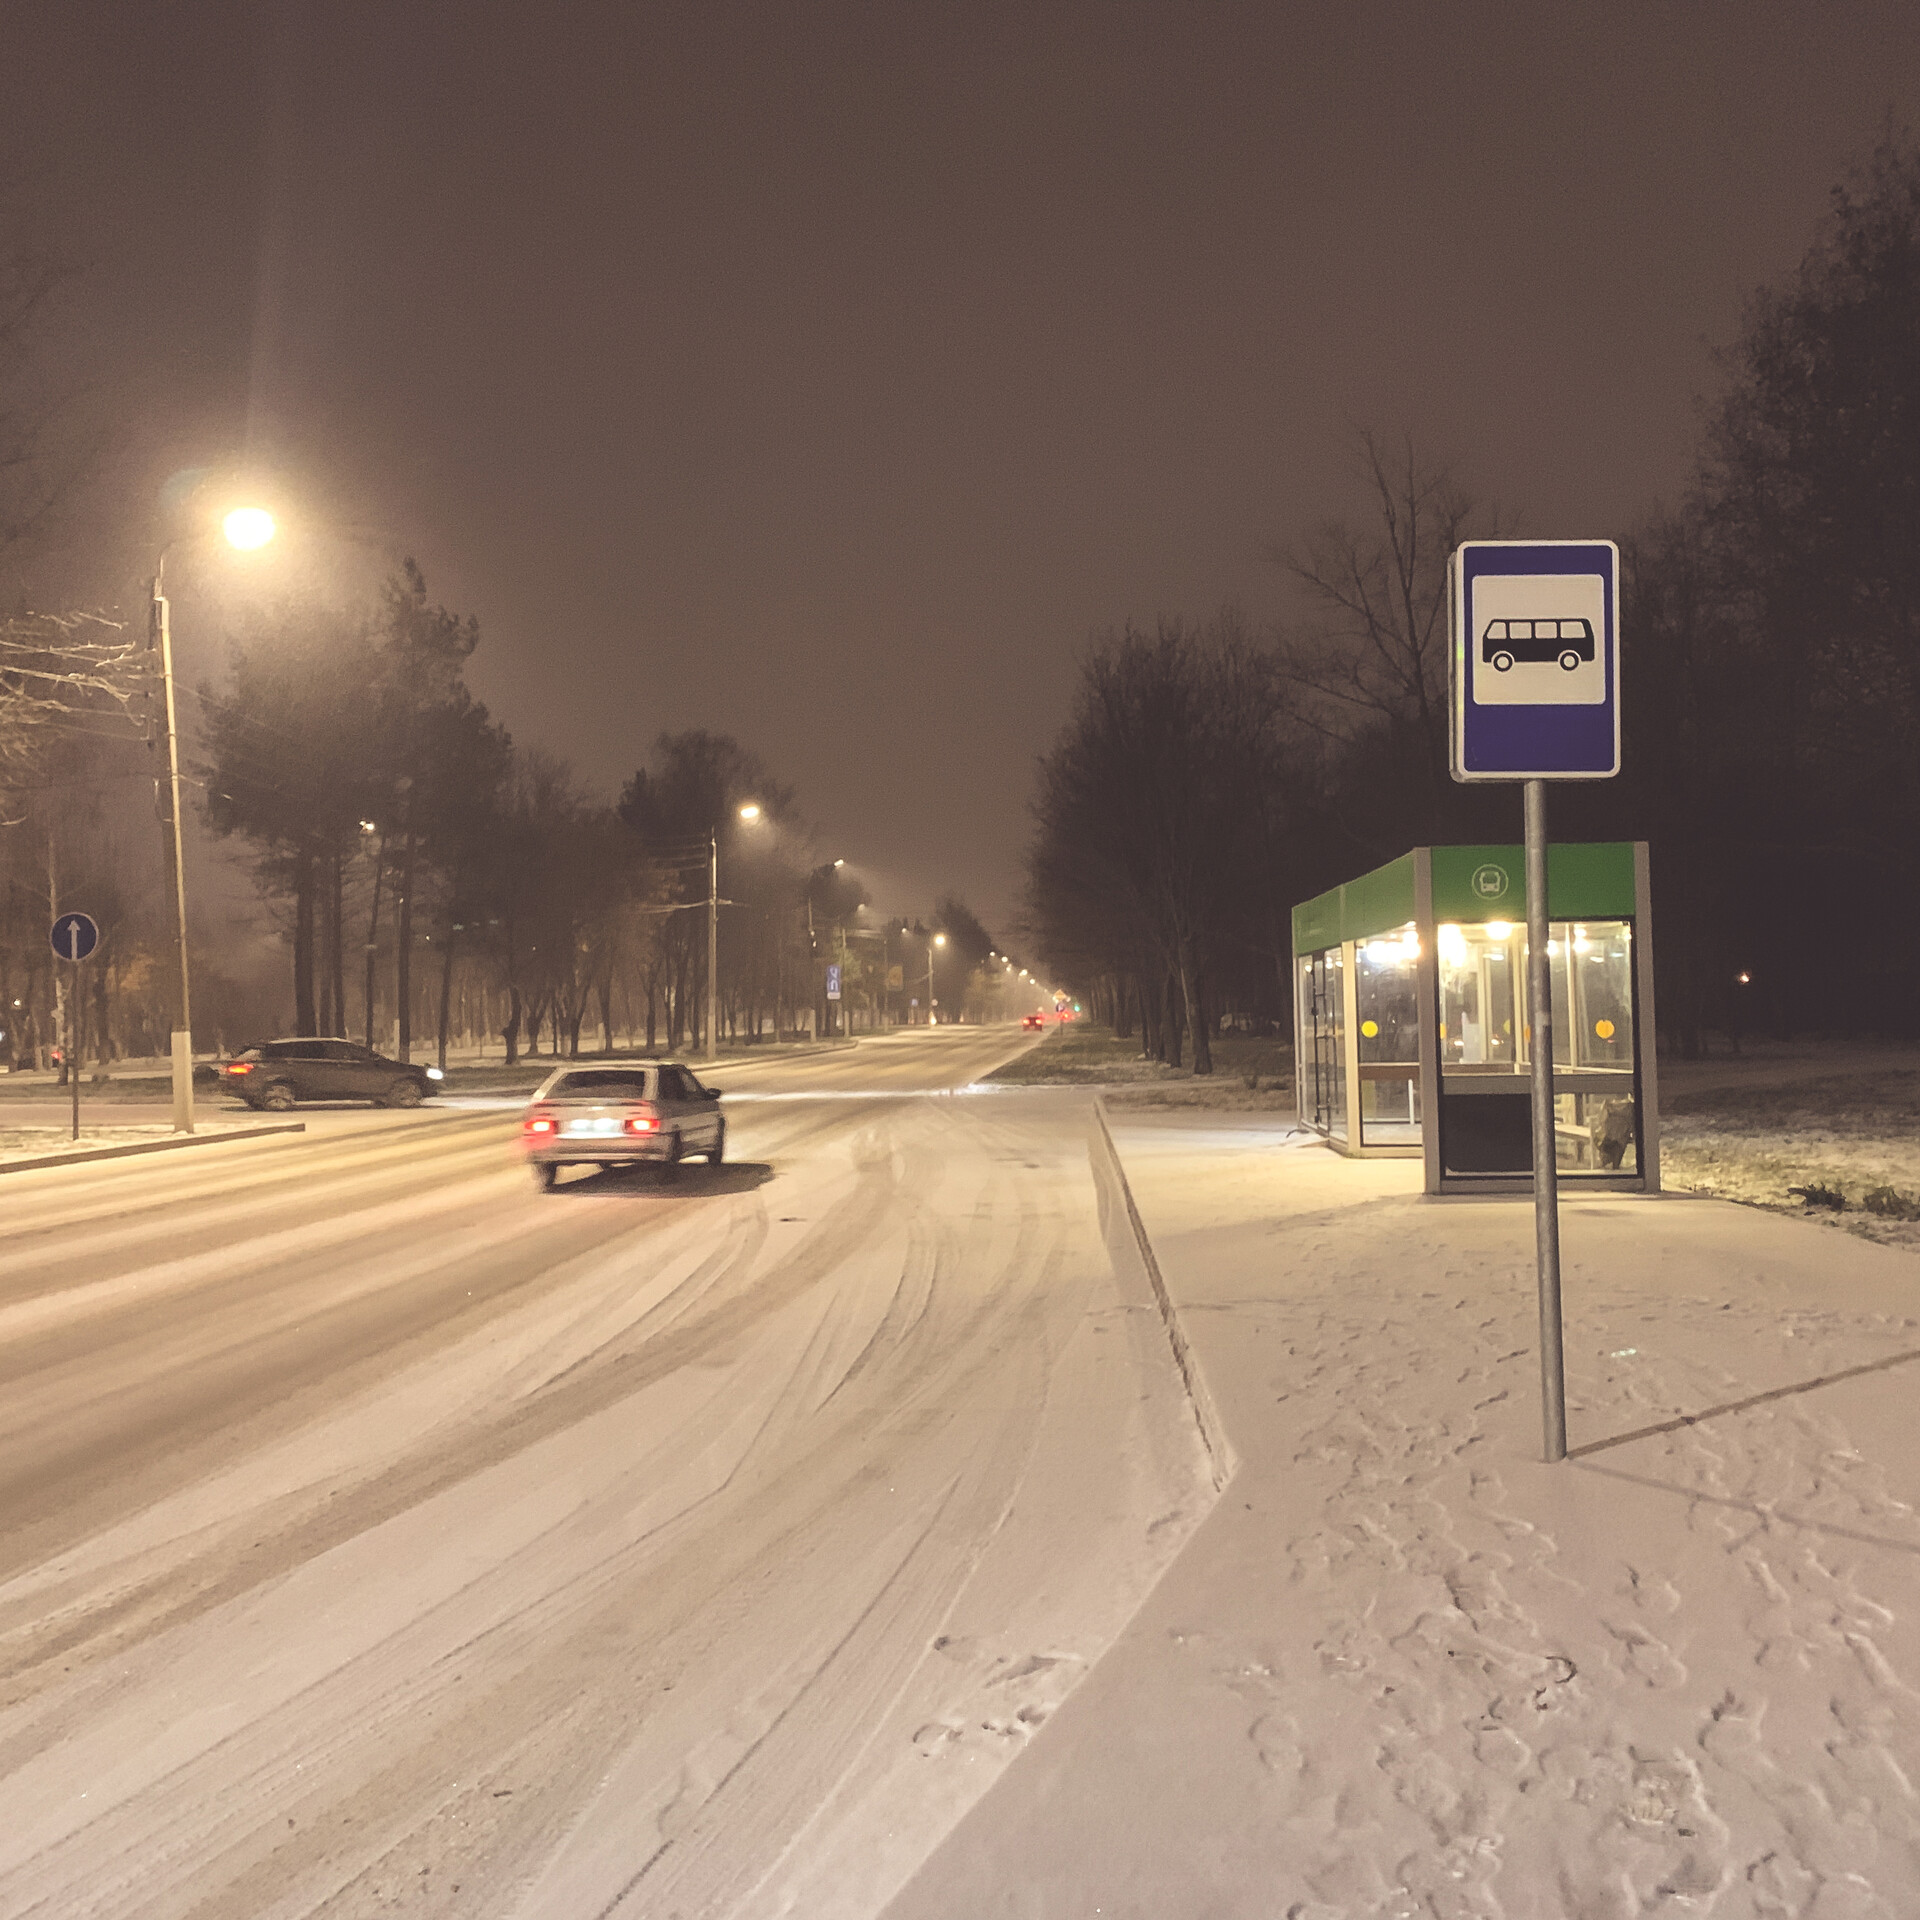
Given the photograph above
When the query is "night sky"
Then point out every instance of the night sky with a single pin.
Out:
(827, 375)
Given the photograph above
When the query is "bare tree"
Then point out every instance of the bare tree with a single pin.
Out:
(1375, 650)
(62, 674)
(1149, 813)
(44, 448)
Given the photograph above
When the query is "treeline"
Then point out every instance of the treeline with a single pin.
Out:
(433, 875)
(435, 884)
(431, 882)
(1211, 776)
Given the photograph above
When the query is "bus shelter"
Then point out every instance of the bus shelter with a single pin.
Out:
(1411, 1028)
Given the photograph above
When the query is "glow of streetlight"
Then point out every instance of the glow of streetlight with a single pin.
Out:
(939, 939)
(839, 863)
(248, 528)
(750, 812)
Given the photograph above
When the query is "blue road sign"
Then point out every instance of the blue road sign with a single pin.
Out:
(1533, 668)
(75, 935)
(833, 982)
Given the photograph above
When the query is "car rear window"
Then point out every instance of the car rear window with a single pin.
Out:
(600, 1086)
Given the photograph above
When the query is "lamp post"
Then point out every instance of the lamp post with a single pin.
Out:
(246, 528)
(749, 813)
(938, 940)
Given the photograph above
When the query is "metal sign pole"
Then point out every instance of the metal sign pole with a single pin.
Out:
(1533, 692)
(1546, 1170)
(73, 936)
(73, 1047)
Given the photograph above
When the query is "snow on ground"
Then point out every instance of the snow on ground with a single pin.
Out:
(1249, 1075)
(1845, 1119)
(22, 1142)
(1405, 1668)
(713, 1563)
(33, 1142)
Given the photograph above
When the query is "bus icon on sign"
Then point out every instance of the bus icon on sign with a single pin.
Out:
(1536, 642)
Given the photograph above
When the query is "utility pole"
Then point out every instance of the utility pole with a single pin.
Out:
(160, 634)
(59, 978)
(713, 942)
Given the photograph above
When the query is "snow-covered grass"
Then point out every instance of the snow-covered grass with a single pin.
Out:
(1832, 1121)
(1248, 1073)
(27, 1143)
(1082, 1054)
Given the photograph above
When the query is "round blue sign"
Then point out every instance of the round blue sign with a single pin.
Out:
(75, 935)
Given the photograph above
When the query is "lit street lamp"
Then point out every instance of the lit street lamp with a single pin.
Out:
(750, 812)
(938, 940)
(247, 529)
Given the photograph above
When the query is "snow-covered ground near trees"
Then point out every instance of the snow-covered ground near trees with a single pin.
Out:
(1407, 1669)
(1843, 1118)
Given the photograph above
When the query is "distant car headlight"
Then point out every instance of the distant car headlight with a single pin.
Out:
(434, 1073)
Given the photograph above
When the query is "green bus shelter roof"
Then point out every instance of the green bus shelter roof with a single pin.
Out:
(1586, 880)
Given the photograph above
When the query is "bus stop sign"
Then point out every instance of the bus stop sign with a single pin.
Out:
(1533, 661)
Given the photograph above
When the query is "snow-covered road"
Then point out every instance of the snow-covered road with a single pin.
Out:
(381, 1534)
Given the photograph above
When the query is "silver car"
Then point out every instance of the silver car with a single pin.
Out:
(643, 1113)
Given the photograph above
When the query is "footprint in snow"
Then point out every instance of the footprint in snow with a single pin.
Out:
(1648, 1659)
(1652, 1592)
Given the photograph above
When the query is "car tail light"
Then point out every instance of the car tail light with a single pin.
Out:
(239, 1066)
(540, 1123)
(643, 1120)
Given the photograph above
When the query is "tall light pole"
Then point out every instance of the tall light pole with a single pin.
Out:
(749, 813)
(713, 942)
(938, 940)
(247, 528)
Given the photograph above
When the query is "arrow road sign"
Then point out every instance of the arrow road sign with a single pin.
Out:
(75, 935)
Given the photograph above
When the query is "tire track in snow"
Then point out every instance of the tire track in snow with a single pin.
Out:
(951, 1333)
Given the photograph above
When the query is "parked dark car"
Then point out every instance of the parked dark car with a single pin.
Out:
(280, 1072)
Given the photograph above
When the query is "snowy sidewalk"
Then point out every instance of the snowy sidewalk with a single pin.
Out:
(1406, 1669)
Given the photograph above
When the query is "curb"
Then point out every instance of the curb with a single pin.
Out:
(1220, 1454)
(73, 1156)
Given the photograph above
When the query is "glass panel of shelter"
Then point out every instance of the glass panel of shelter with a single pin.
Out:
(1322, 1030)
(1483, 1029)
(1387, 1006)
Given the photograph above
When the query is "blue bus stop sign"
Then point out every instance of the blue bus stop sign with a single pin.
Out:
(75, 935)
(833, 981)
(1533, 662)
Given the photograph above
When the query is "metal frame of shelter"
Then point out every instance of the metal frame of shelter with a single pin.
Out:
(1432, 920)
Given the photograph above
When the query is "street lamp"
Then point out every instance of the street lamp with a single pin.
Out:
(938, 940)
(749, 812)
(247, 529)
